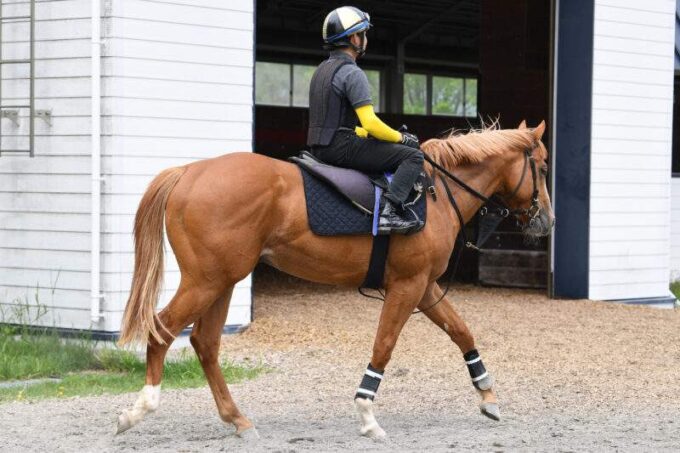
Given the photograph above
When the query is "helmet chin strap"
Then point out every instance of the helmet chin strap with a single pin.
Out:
(361, 49)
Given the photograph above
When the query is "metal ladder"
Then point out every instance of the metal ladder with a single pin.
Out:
(11, 111)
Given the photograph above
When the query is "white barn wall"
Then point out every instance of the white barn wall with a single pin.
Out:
(44, 201)
(675, 229)
(630, 224)
(177, 87)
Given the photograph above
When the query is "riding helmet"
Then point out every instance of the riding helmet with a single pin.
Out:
(341, 23)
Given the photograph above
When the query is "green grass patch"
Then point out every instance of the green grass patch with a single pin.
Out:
(184, 373)
(675, 288)
(25, 356)
(86, 370)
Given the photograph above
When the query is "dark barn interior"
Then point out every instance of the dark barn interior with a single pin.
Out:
(491, 55)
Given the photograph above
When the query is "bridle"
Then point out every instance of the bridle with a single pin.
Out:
(501, 207)
(534, 209)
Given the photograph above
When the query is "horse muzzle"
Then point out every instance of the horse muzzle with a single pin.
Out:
(540, 225)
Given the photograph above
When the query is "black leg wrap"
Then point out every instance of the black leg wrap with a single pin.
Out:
(481, 379)
(369, 383)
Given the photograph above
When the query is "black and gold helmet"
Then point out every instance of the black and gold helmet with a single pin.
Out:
(341, 23)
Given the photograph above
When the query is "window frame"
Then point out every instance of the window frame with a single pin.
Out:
(292, 63)
(427, 92)
(255, 86)
(429, 75)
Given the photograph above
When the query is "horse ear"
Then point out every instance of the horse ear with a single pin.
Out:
(523, 124)
(540, 130)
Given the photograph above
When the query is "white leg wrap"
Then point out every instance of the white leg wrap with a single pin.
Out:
(369, 425)
(147, 401)
(486, 383)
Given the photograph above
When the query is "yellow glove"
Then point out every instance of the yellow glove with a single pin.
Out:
(361, 132)
(375, 127)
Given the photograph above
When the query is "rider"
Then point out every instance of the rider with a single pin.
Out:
(339, 98)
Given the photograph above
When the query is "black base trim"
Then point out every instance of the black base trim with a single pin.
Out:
(663, 300)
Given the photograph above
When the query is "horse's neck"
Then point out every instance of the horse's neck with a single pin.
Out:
(483, 177)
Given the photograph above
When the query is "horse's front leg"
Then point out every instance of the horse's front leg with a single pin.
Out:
(401, 298)
(448, 320)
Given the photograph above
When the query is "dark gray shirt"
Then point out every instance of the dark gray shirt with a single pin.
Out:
(351, 82)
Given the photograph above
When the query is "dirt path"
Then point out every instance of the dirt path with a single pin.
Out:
(571, 376)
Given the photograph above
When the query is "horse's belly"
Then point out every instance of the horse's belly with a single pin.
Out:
(341, 260)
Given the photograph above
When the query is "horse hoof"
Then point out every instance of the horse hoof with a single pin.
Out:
(249, 434)
(491, 410)
(373, 432)
(123, 423)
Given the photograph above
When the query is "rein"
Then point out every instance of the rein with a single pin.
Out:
(503, 210)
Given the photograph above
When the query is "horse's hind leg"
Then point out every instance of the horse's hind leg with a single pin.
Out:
(185, 307)
(205, 338)
(448, 320)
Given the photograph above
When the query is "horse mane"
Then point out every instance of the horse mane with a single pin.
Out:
(459, 148)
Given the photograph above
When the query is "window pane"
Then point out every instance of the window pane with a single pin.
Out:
(374, 81)
(447, 96)
(415, 94)
(470, 97)
(272, 83)
(302, 77)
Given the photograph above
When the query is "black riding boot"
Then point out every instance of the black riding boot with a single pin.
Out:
(392, 220)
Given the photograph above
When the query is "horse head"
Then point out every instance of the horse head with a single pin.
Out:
(524, 185)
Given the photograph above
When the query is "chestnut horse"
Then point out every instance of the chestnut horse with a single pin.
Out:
(224, 215)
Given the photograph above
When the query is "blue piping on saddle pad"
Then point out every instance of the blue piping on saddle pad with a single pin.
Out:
(376, 205)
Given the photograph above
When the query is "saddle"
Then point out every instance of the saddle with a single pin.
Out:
(354, 185)
(345, 201)
(341, 201)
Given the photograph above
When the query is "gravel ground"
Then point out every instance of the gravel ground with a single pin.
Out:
(571, 376)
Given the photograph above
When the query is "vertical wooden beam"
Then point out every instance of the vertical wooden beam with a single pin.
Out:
(395, 102)
(571, 156)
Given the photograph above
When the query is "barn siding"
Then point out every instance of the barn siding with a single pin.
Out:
(675, 229)
(631, 149)
(177, 87)
(44, 201)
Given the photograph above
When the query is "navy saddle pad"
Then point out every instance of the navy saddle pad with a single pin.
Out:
(341, 201)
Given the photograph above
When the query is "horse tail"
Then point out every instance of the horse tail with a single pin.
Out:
(140, 319)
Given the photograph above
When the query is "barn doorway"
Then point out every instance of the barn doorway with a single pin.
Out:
(434, 65)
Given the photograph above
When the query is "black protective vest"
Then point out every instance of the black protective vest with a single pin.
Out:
(328, 111)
